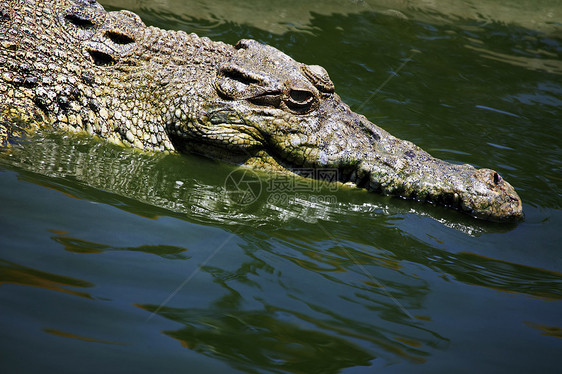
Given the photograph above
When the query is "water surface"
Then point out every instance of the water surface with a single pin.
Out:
(112, 260)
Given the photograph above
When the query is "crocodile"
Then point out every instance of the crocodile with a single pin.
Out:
(72, 65)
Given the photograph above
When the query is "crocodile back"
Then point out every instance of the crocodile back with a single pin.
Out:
(72, 65)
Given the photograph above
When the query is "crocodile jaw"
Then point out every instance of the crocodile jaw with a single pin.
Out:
(481, 193)
(491, 198)
(371, 158)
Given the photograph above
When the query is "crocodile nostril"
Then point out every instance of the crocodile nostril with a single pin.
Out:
(79, 21)
(118, 38)
(101, 58)
(4, 16)
(236, 74)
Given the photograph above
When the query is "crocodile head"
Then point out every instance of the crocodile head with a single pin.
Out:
(277, 113)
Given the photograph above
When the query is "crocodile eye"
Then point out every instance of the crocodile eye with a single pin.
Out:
(300, 97)
(300, 100)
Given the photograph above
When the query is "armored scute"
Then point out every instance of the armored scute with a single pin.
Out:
(70, 64)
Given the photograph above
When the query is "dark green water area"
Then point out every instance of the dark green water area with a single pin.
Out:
(117, 261)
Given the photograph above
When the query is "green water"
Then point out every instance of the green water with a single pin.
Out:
(116, 261)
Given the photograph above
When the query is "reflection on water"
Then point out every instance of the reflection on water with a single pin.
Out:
(533, 63)
(12, 273)
(501, 275)
(277, 337)
(269, 340)
(256, 316)
(87, 247)
(78, 337)
(380, 286)
(279, 17)
(555, 331)
(183, 187)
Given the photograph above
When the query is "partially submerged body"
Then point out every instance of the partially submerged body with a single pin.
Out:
(72, 65)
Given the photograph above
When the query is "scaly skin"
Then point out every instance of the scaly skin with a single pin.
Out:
(72, 65)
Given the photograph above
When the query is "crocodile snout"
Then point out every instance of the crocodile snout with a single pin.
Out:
(493, 198)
